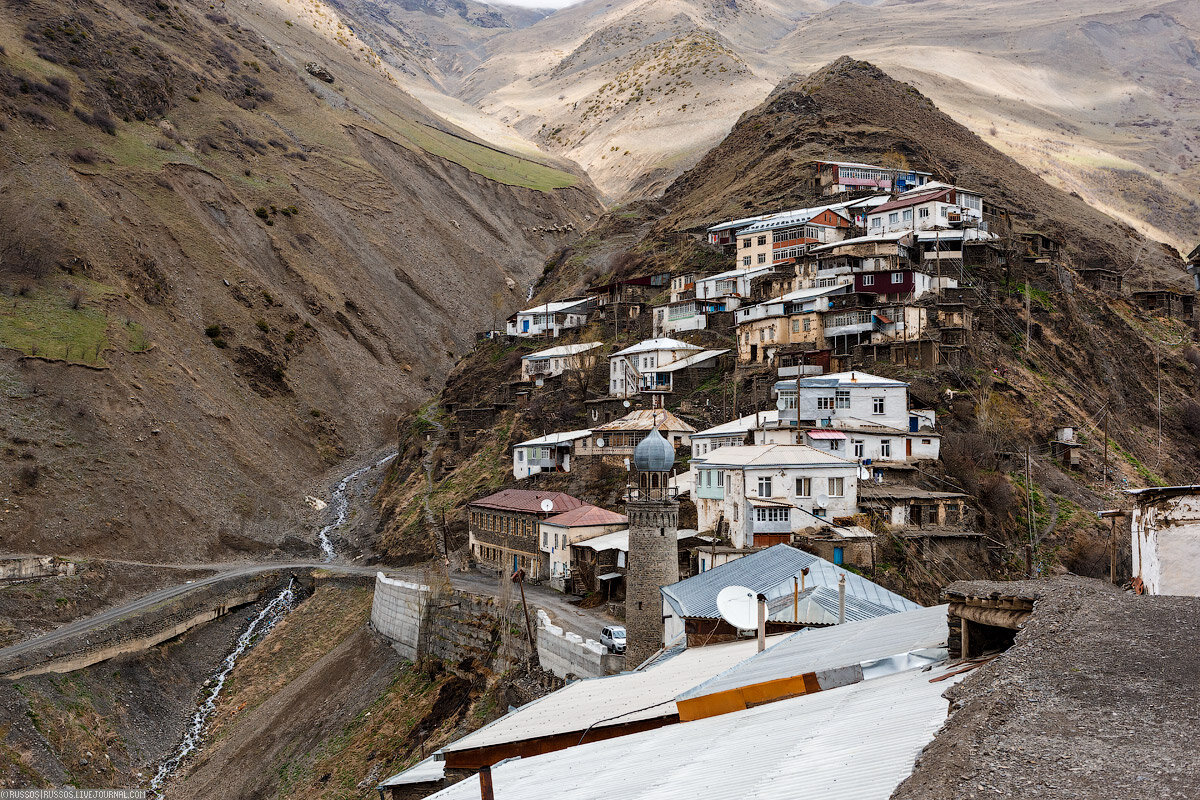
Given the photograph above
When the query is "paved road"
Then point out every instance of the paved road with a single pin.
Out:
(586, 623)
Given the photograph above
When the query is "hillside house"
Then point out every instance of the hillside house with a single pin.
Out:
(504, 528)
(1039, 248)
(732, 286)
(656, 365)
(1193, 268)
(910, 507)
(1166, 540)
(555, 361)
(1166, 303)
(561, 531)
(852, 545)
(789, 234)
(724, 234)
(793, 319)
(1101, 279)
(615, 441)
(689, 315)
(746, 430)
(838, 177)
(550, 453)
(600, 563)
(932, 205)
(551, 318)
(760, 494)
(627, 294)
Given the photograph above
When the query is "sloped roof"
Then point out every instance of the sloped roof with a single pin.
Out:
(661, 343)
(643, 420)
(797, 216)
(741, 425)
(772, 455)
(619, 540)
(527, 501)
(878, 237)
(916, 198)
(585, 516)
(769, 572)
(428, 771)
(851, 379)
(555, 306)
(854, 742)
(694, 358)
(561, 437)
(562, 350)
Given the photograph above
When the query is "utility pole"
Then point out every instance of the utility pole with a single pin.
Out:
(1029, 509)
(1028, 315)
(519, 579)
(1104, 478)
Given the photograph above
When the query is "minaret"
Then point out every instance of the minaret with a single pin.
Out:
(653, 560)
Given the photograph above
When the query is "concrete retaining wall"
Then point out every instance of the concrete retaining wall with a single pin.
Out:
(397, 611)
(568, 655)
(25, 567)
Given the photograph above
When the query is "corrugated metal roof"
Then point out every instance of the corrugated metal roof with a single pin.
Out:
(426, 771)
(644, 419)
(695, 358)
(770, 572)
(619, 540)
(527, 501)
(741, 425)
(826, 434)
(854, 378)
(820, 649)
(772, 455)
(563, 350)
(855, 742)
(556, 306)
(615, 700)
(556, 438)
(661, 343)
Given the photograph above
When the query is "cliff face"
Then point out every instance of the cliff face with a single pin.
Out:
(222, 274)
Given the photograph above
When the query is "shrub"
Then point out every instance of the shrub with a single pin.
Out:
(163, 143)
(221, 343)
(1193, 357)
(212, 331)
(76, 300)
(262, 325)
(36, 117)
(28, 475)
(261, 212)
(84, 155)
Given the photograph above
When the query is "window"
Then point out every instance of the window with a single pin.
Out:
(803, 487)
(923, 213)
(897, 277)
(876, 405)
(893, 218)
(764, 486)
(762, 258)
(837, 487)
(944, 210)
(819, 512)
(546, 539)
(807, 324)
(907, 214)
(876, 222)
(795, 326)
(843, 398)
(885, 448)
(859, 448)
(521, 455)
(745, 261)
(835, 444)
(772, 514)
(745, 243)
(926, 441)
(720, 478)
(825, 403)
(762, 240)
(868, 280)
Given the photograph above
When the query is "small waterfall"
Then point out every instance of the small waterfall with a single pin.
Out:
(341, 505)
(274, 611)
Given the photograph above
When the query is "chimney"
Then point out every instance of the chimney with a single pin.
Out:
(762, 622)
(842, 599)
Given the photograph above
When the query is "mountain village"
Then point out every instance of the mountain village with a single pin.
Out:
(792, 499)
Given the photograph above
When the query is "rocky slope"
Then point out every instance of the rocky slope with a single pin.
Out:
(234, 251)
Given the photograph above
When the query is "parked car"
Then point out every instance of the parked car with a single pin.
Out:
(613, 637)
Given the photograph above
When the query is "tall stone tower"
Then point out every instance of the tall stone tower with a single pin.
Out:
(653, 560)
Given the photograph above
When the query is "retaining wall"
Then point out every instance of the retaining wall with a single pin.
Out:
(569, 655)
(26, 567)
(396, 612)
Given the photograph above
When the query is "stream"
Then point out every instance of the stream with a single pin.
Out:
(341, 505)
(274, 611)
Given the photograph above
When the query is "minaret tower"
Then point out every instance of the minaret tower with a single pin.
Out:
(653, 560)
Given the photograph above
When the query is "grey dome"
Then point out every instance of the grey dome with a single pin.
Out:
(654, 453)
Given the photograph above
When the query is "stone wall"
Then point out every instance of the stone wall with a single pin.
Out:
(25, 567)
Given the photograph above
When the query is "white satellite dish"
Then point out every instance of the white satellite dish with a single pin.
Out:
(739, 607)
(547, 505)
(600, 441)
(626, 404)
(781, 404)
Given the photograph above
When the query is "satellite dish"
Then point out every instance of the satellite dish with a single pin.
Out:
(781, 404)
(739, 607)
(547, 505)
(626, 404)
(600, 442)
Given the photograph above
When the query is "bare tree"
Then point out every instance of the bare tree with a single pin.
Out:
(30, 246)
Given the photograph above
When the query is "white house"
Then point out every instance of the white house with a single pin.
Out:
(558, 533)
(857, 415)
(760, 494)
(732, 285)
(546, 453)
(733, 433)
(551, 318)
(929, 206)
(556, 360)
(650, 366)
(1166, 539)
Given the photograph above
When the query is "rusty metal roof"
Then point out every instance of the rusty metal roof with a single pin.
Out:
(528, 502)
(587, 515)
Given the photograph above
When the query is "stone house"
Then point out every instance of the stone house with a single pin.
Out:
(504, 528)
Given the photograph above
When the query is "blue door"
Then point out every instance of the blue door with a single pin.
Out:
(838, 555)
(914, 424)
(524, 326)
(515, 562)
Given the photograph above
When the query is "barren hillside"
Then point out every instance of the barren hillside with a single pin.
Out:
(234, 251)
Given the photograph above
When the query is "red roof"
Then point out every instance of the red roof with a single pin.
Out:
(826, 434)
(915, 200)
(587, 515)
(525, 501)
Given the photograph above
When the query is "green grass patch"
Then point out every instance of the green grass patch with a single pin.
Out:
(57, 320)
(482, 160)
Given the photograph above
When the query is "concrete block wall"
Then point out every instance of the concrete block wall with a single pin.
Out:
(397, 611)
(568, 655)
